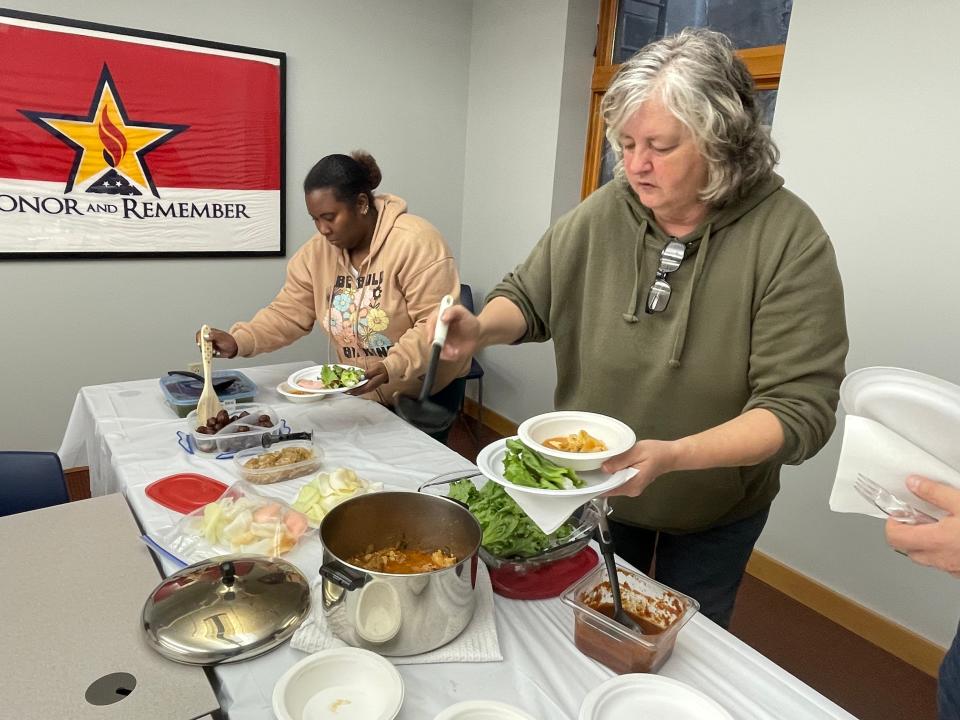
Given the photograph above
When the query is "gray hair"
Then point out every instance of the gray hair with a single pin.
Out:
(699, 78)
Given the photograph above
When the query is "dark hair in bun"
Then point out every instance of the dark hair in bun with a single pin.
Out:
(348, 176)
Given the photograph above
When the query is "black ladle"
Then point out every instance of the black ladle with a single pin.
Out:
(421, 412)
(605, 540)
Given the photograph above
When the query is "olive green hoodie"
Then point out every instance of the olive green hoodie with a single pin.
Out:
(755, 320)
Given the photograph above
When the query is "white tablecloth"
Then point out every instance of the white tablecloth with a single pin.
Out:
(127, 436)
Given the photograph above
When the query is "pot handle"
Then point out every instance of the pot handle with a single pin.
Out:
(343, 576)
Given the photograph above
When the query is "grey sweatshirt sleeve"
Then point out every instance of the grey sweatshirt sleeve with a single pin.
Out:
(529, 288)
(799, 344)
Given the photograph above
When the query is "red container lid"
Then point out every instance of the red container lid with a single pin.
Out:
(546, 581)
(185, 492)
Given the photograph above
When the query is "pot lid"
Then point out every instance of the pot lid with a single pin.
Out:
(226, 609)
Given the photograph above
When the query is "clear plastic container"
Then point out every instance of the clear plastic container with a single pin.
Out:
(276, 473)
(659, 610)
(239, 435)
(182, 393)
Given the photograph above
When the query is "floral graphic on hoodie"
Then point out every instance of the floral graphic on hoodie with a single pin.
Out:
(361, 325)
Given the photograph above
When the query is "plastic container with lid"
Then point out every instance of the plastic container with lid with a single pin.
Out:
(240, 434)
(182, 392)
(660, 610)
(278, 453)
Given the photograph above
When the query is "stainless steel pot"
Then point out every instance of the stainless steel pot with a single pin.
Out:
(394, 614)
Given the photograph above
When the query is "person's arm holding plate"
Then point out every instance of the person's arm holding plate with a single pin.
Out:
(748, 439)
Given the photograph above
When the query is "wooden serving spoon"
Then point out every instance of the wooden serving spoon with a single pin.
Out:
(209, 404)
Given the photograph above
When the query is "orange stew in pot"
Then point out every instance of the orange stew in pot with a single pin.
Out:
(403, 561)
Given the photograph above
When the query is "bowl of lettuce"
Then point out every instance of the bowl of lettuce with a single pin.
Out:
(510, 538)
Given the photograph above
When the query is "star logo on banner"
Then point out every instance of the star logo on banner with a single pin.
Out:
(110, 147)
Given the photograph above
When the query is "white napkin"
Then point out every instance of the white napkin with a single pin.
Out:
(550, 511)
(888, 459)
(477, 643)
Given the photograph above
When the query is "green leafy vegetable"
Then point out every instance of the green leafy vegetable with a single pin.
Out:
(507, 530)
(334, 376)
(523, 466)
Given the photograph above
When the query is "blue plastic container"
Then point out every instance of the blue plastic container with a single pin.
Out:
(182, 393)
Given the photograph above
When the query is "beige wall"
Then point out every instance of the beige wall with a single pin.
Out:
(867, 120)
(530, 71)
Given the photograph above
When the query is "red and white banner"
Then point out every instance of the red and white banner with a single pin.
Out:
(115, 141)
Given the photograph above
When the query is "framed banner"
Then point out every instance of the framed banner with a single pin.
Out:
(127, 143)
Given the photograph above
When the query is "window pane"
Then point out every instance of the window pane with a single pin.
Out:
(608, 162)
(749, 23)
(768, 101)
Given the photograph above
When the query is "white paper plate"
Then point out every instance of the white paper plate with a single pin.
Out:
(549, 509)
(482, 710)
(641, 695)
(313, 373)
(339, 684)
(922, 409)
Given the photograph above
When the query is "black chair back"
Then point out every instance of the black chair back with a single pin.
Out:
(30, 481)
(466, 297)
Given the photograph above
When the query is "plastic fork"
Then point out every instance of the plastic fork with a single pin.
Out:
(889, 503)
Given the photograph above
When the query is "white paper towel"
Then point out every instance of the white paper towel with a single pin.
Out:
(477, 643)
(888, 459)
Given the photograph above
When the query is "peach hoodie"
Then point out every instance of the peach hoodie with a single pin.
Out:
(380, 315)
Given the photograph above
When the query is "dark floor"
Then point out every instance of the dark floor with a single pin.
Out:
(863, 679)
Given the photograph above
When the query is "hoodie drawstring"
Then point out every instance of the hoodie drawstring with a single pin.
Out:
(631, 314)
(681, 337)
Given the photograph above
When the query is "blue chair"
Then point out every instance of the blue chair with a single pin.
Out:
(30, 481)
(476, 370)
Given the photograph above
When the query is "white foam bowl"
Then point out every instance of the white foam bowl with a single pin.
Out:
(483, 710)
(339, 684)
(296, 397)
(616, 435)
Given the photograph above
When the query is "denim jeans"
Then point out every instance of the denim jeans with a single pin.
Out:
(708, 565)
(948, 689)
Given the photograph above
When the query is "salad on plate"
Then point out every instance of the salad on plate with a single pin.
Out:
(327, 378)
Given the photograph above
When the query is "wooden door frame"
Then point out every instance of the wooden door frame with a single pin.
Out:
(764, 64)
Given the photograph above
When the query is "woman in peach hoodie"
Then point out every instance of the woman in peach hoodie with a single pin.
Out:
(371, 276)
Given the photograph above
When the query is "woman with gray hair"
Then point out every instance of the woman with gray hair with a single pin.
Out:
(697, 300)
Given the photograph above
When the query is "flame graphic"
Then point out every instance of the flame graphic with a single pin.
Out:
(114, 143)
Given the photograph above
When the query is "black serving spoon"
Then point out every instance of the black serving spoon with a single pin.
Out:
(217, 386)
(605, 540)
(421, 412)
